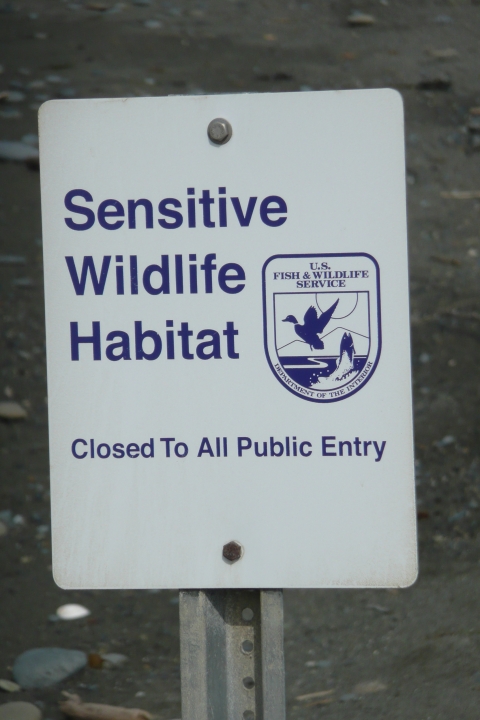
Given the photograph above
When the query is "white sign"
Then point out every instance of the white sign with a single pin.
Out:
(228, 341)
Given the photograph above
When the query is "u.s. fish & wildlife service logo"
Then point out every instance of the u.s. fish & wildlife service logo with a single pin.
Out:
(322, 322)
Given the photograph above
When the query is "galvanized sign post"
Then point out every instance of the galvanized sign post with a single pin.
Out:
(232, 662)
(229, 363)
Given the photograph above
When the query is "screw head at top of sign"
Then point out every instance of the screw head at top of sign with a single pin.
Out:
(219, 131)
(232, 551)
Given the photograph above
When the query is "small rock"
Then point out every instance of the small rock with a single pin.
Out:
(43, 667)
(367, 688)
(6, 517)
(360, 19)
(113, 660)
(36, 85)
(55, 79)
(348, 697)
(3, 532)
(20, 711)
(17, 151)
(318, 663)
(98, 6)
(438, 83)
(24, 282)
(447, 440)
(13, 96)
(379, 608)
(30, 139)
(443, 19)
(67, 92)
(9, 686)
(461, 194)
(424, 358)
(474, 124)
(71, 611)
(445, 54)
(12, 260)
(12, 411)
(10, 113)
(152, 24)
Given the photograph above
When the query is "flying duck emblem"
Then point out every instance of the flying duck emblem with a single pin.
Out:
(313, 324)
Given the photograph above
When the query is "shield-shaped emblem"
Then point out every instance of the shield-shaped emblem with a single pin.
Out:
(322, 322)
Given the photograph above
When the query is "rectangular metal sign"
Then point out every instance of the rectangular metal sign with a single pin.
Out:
(228, 341)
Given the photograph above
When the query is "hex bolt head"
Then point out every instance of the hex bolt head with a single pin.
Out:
(232, 551)
(219, 131)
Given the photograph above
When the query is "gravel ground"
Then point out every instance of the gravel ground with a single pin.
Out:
(383, 654)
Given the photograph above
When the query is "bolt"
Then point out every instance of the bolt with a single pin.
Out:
(232, 551)
(219, 131)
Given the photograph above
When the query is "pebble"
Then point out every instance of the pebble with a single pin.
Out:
(98, 6)
(445, 54)
(348, 697)
(9, 686)
(43, 667)
(113, 660)
(366, 688)
(438, 82)
(12, 260)
(153, 24)
(72, 611)
(447, 440)
(3, 532)
(20, 711)
(13, 96)
(17, 151)
(6, 517)
(24, 282)
(30, 139)
(318, 663)
(55, 79)
(12, 411)
(10, 113)
(358, 18)
(474, 124)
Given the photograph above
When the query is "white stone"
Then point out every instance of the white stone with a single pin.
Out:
(19, 711)
(72, 611)
(12, 411)
(9, 686)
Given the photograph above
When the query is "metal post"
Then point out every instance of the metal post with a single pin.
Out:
(232, 661)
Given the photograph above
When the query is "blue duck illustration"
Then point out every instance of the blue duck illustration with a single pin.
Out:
(312, 325)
